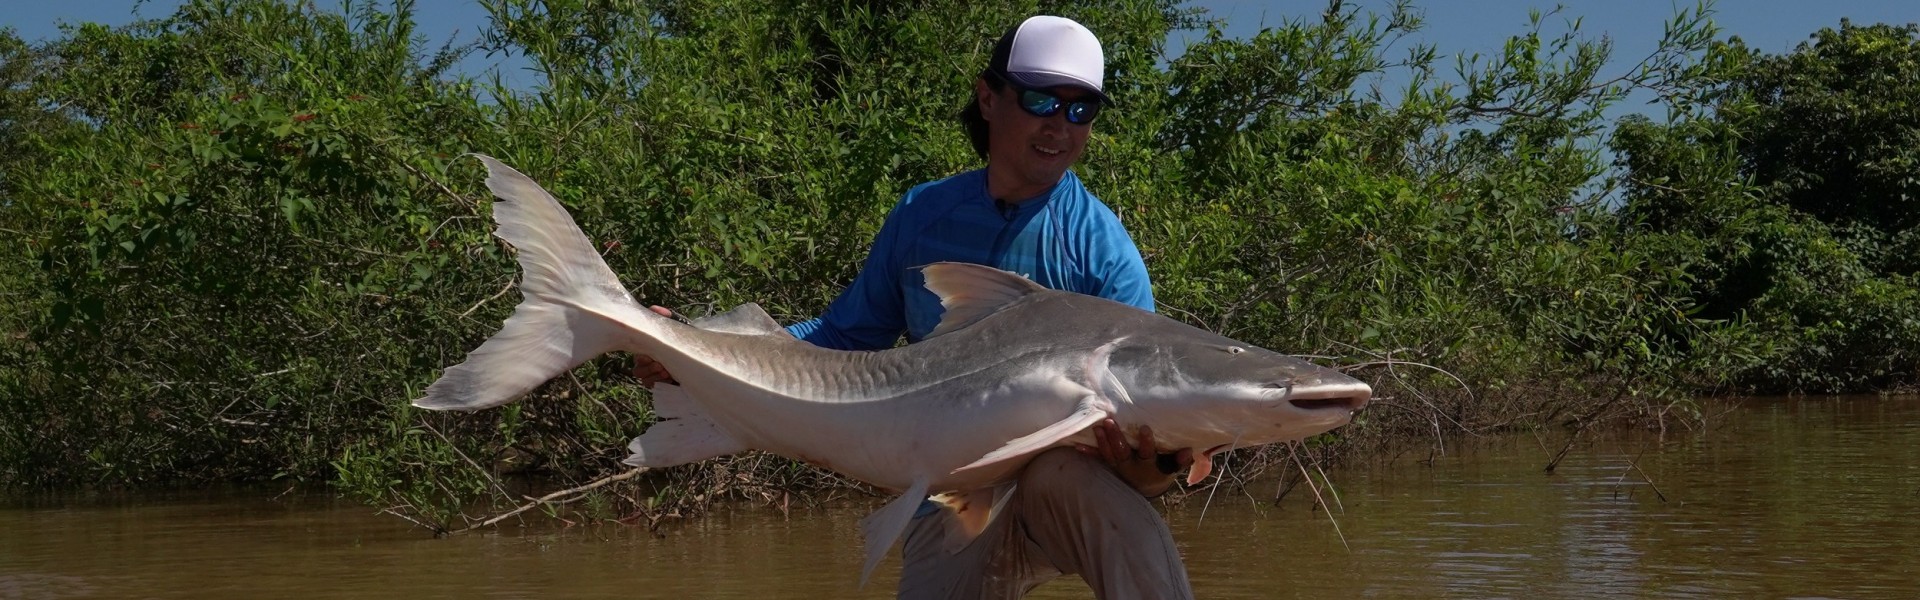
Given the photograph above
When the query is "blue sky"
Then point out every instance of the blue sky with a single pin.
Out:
(1455, 26)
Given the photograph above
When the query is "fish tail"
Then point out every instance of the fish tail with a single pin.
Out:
(568, 295)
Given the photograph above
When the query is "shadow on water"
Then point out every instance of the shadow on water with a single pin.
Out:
(1811, 497)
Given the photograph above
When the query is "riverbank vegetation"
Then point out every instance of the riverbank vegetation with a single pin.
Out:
(239, 239)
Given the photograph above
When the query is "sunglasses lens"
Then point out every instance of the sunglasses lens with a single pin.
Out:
(1039, 103)
(1042, 104)
(1082, 113)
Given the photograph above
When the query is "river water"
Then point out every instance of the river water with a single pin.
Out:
(1778, 498)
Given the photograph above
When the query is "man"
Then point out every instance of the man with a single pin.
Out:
(1083, 512)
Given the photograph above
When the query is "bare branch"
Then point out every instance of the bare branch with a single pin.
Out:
(550, 498)
(1316, 495)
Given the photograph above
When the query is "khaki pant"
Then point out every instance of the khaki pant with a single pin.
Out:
(1070, 514)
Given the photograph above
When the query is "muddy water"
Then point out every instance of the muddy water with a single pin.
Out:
(1780, 499)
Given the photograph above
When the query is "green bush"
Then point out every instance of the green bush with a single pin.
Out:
(241, 238)
(1786, 194)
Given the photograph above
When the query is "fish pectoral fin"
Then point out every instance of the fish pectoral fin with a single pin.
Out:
(1090, 411)
(882, 528)
(972, 513)
(1203, 463)
(684, 433)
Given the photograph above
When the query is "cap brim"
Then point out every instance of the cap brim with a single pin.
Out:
(1048, 80)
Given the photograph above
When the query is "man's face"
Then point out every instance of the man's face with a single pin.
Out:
(1032, 152)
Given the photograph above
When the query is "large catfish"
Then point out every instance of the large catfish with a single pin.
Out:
(1013, 369)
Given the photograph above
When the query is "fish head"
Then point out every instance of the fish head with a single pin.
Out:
(1201, 390)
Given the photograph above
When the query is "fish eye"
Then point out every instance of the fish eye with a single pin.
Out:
(1235, 349)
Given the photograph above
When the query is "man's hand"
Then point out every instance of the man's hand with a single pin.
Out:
(650, 371)
(1138, 465)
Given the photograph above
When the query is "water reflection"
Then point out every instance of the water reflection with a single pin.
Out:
(1781, 498)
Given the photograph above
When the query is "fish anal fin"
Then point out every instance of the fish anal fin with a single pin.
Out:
(684, 433)
(676, 442)
(672, 402)
(882, 528)
(972, 512)
(1089, 411)
(972, 292)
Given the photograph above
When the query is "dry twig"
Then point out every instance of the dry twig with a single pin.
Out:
(1316, 495)
(551, 499)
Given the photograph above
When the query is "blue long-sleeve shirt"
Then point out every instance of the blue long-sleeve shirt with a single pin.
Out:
(1065, 239)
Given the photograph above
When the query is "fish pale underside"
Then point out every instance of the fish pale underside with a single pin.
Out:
(1012, 370)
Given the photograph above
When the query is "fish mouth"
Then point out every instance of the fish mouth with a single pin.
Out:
(1326, 403)
(1345, 397)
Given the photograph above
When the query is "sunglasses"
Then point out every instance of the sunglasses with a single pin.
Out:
(1043, 105)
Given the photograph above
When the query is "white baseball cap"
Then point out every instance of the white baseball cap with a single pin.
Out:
(1046, 51)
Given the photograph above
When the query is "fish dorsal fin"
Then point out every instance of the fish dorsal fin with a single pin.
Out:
(973, 292)
(745, 319)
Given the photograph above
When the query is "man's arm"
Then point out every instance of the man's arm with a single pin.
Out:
(1116, 271)
(1124, 277)
(869, 314)
(1111, 265)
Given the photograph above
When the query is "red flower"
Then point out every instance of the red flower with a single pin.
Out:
(303, 117)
